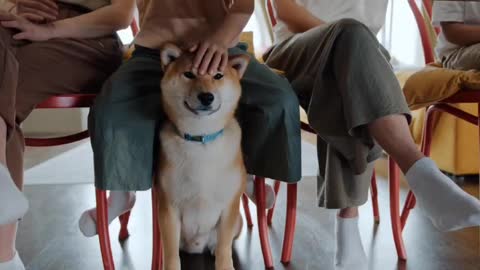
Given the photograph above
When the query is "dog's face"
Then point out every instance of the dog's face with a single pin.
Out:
(187, 95)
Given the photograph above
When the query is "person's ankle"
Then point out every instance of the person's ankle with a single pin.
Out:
(350, 212)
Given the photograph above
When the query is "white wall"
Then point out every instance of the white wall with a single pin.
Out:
(401, 37)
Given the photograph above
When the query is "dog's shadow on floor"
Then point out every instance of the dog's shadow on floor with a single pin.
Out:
(203, 261)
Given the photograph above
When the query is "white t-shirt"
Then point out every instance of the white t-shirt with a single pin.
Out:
(467, 12)
(370, 12)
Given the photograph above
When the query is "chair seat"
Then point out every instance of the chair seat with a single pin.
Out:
(464, 96)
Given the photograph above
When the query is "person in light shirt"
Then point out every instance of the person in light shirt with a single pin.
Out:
(343, 79)
(124, 121)
(458, 45)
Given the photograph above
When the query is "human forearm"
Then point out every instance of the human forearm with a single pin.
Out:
(296, 17)
(461, 34)
(211, 53)
(103, 21)
(230, 29)
(234, 22)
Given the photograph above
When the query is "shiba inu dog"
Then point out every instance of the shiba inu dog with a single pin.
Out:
(201, 174)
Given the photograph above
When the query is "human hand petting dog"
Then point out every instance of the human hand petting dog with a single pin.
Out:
(37, 11)
(27, 29)
(211, 55)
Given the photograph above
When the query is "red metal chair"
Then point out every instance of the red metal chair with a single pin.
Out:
(464, 96)
(86, 101)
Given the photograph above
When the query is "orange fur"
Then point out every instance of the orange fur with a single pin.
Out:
(200, 186)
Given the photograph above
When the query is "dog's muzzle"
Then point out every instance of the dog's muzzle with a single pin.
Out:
(202, 104)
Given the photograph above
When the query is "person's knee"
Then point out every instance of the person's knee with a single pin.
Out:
(353, 31)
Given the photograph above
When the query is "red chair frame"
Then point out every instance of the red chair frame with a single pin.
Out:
(399, 220)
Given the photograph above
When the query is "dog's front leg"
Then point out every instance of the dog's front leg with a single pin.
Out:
(225, 234)
(170, 231)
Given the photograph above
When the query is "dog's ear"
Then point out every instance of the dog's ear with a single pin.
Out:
(239, 63)
(169, 53)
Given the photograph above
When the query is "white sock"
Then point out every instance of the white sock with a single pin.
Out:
(349, 253)
(119, 202)
(14, 264)
(440, 199)
(269, 192)
(13, 204)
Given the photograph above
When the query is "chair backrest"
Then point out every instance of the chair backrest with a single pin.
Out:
(428, 32)
(134, 27)
(271, 13)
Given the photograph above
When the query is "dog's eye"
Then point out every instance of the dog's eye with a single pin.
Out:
(189, 75)
(218, 76)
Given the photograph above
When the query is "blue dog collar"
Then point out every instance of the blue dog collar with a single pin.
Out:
(204, 139)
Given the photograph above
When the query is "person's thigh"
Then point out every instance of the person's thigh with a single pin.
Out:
(123, 124)
(270, 121)
(45, 69)
(63, 66)
(465, 58)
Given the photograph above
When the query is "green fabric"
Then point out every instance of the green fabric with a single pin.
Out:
(127, 115)
(344, 81)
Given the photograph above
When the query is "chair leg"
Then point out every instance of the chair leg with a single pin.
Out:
(124, 234)
(478, 125)
(290, 223)
(374, 191)
(395, 209)
(276, 188)
(102, 228)
(157, 253)
(426, 146)
(246, 209)
(409, 205)
(262, 222)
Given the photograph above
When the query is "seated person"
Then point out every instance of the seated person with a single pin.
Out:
(47, 48)
(343, 79)
(458, 44)
(125, 119)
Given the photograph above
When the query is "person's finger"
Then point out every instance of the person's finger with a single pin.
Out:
(206, 61)
(40, 6)
(51, 3)
(214, 64)
(21, 36)
(193, 48)
(12, 24)
(224, 62)
(45, 15)
(5, 16)
(33, 17)
(199, 56)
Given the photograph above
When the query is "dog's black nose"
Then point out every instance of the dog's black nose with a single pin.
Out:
(206, 98)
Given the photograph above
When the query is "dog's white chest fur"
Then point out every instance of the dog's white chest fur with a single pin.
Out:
(200, 180)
